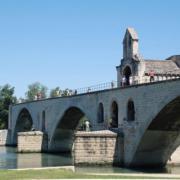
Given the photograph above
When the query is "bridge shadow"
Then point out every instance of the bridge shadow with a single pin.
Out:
(24, 124)
(118, 159)
(63, 137)
(161, 138)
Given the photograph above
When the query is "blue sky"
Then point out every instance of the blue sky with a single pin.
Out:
(77, 43)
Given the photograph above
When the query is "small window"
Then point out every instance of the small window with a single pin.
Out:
(100, 113)
(43, 121)
(114, 115)
(130, 111)
(129, 42)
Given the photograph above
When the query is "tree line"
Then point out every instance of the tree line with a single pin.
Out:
(35, 91)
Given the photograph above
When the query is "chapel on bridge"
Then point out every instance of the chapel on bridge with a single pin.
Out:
(134, 69)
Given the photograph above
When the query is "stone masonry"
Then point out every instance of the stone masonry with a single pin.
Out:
(98, 147)
(149, 99)
(33, 141)
(4, 137)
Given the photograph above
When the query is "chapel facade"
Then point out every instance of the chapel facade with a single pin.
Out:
(134, 69)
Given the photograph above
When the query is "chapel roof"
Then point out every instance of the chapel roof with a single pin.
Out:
(161, 66)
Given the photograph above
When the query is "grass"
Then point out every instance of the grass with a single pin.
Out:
(59, 174)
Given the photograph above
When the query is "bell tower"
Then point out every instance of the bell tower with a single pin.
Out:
(130, 44)
(132, 65)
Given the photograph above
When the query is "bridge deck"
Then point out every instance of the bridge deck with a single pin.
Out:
(103, 90)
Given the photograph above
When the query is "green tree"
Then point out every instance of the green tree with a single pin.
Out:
(6, 99)
(36, 89)
(67, 92)
(56, 92)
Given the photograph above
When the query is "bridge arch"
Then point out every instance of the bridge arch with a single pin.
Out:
(73, 119)
(161, 138)
(24, 123)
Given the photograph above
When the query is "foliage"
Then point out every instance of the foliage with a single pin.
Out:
(21, 100)
(67, 92)
(36, 90)
(81, 125)
(6, 99)
(56, 92)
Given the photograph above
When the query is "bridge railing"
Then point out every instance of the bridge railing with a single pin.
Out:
(114, 84)
(99, 87)
(105, 86)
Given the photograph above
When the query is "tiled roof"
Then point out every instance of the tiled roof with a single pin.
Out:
(161, 67)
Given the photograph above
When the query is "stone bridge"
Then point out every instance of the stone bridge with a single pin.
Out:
(148, 116)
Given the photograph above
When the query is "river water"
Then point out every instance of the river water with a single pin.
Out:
(9, 159)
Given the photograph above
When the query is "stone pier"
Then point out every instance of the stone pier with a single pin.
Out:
(4, 137)
(32, 141)
(98, 147)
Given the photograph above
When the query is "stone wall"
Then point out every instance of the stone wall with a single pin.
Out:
(98, 147)
(175, 158)
(149, 100)
(4, 137)
(33, 141)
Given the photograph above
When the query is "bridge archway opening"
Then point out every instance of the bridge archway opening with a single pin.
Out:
(73, 120)
(127, 73)
(130, 111)
(114, 115)
(24, 123)
(100, 113)
(43, 121)
(161, 138)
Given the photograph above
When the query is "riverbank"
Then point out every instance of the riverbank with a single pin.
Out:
(70, 174)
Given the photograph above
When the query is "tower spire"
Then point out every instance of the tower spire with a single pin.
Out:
(130, 44)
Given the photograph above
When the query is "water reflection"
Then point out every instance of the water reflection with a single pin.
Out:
(9, 159)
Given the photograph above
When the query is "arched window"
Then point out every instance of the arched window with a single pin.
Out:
(100, 113)
(129, 42)
(114, 115)
(127, 73)
(130, 111)
(43, 121)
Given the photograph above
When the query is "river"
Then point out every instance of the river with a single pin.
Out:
(9, 159)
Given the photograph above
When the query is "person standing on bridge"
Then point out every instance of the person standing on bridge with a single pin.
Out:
(130, 80)
(151, 74)
(75, 92)
(123, 81)
(112, 84)
(87, 126)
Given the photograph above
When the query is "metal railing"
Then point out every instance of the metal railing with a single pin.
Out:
(99, 87)
(114, 84)
(109, 85)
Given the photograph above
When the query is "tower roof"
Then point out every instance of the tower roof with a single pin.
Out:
(132, 33)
